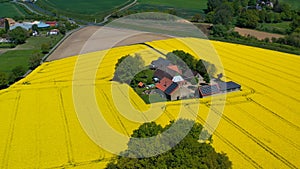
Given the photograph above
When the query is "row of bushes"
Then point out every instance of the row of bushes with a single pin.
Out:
(251, 41)
(7, 45)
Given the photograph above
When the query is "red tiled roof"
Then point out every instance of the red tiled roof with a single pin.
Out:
(141, 84)
(51, 23)
(175, 68)
(163, 84)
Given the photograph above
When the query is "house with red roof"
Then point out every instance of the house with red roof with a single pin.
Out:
(170, 88)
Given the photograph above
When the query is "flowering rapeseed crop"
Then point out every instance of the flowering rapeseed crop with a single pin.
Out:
(259, 127)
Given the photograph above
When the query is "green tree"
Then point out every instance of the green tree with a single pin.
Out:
(3, 79)
(213, 4)
(34, 61)
(209, 17)
(269, 17)
(294, 38)
(127, 67)
(248, 19)
(244, 3)
(295, 23)
(16, 72)
(45, 47)
(18, 35)
(35, 28)
(188, 153)
(252, 2)
(237, 7)
(223, 14)
(6, 25)
(262, 15)
(197, 18)
(277, 18)
(286, 12)
(2, 33)
(219, 30)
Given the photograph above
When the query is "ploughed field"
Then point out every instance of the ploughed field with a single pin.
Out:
(259, 128)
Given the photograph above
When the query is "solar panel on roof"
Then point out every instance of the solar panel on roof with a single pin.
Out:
(232, 85)
(209, 90)
(171, 88)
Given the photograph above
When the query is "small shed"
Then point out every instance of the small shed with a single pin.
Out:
(141, 84)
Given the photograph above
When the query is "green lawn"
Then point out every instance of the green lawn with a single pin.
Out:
(11, 59)
(11, 10)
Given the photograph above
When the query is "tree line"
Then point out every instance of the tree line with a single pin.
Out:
(188, 153)
(226, 14)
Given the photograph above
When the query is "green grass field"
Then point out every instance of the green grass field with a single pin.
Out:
(20, 56)
(10, 10)
(11, 59)
(80, 9)
(178, 4)
(185, 9)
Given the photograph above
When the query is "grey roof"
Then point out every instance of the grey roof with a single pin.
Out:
(228, 85)
(208, 90)
(160, 62)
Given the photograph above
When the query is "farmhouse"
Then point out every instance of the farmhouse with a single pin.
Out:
(169, 87)
(177, 85)
(169, 79)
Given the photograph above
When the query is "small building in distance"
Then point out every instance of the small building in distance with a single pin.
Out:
(51, 23)
(28, 25)
(53, 32)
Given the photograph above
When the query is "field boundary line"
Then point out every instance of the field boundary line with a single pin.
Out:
(11, 132)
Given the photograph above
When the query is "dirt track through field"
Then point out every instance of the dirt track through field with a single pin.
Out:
(258, 34)
(95, 38)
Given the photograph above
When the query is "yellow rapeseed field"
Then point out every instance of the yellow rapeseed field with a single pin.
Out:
(259, 128)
